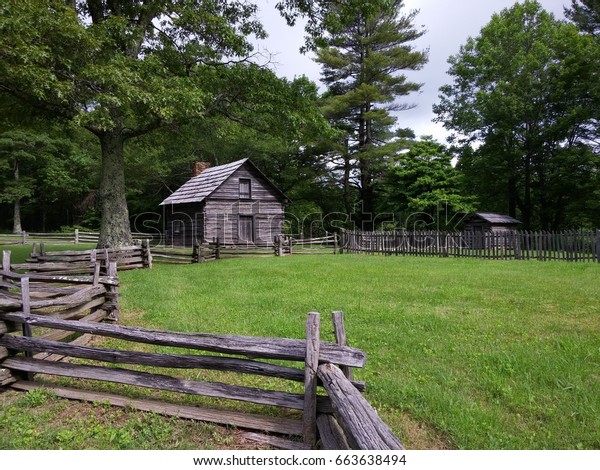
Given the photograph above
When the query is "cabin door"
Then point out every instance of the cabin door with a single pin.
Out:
(246, 228)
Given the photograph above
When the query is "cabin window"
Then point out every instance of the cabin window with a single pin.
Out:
(245, 189)
(177, 226)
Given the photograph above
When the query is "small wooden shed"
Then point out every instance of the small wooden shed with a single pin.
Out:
(490, 222)
(235, 203)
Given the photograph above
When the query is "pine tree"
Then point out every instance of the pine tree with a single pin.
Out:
(363, 60)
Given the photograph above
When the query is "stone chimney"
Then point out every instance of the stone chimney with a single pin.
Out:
(199, 167)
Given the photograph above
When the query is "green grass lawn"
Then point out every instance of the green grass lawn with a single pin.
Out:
(461, 353)
(487, 354)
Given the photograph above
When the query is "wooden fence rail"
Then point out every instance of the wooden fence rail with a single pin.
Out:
(582, 246)
(75, 237)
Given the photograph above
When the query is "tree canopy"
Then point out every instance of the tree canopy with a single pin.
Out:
(121, 69)
(524, 92)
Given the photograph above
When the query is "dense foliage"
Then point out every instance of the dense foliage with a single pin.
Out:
(524, 107)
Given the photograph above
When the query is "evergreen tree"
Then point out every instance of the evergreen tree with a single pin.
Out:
(363, 58)
(586, 15)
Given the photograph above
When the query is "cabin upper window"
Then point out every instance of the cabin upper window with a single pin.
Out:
(245, 189)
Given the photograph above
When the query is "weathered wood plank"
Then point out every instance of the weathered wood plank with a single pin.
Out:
(84, 294)
(6, 377)
(61, 279)
(3, 352)
(364, 429)
(275, 441)
(255, 347)
(285, 426)
(311, 364)
(153, 359)
(163, 382)
(80, 341)
(75, 311)
(8, 327)
(331, 434)
(59, 335)
(339, 330)
(6, 261)
(25, 299)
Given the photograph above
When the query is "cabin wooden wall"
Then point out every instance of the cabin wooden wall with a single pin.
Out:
(189, 217)
(222, 217)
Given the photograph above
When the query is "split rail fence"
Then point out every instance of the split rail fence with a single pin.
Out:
(47, 318)
(582, 246)
(62, 238)
(299, 245)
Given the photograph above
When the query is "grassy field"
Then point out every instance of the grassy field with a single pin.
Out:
(462, 353)
(487, 354)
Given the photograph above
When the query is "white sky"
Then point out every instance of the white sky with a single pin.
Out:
(448, 23)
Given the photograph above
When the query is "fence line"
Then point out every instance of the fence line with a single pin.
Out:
(75, 237)
(581, 246)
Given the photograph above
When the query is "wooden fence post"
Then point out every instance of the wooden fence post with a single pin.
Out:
(339, 330)
(76, 236)
(146, 254)
(113, 292)
(218, 249)
(23, 237)
(6, 260)
(363, 427)
(26, 308)
(196, 253)
(335, 243)
(96, 264)
(311, 364)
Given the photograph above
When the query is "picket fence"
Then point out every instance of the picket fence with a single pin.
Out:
(581, 246)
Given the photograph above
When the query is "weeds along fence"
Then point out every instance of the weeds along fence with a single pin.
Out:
(581, 246)
(340, 419)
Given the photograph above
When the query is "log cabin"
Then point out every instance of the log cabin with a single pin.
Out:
(235, 203)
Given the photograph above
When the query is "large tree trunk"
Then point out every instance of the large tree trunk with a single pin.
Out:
(17, 204)
(114, 228)
(17, 217)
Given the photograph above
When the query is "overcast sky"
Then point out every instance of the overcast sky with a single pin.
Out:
(448, 23)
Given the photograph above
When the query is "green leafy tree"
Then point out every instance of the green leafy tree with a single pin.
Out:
(363, 58)
(121, 69)
(521, 91)
(421, 185)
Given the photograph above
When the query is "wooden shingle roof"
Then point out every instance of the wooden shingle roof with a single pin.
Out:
(495, 218)
(199, 187)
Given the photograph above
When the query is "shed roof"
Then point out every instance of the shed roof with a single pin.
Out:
(199, 187)
(493, 218)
